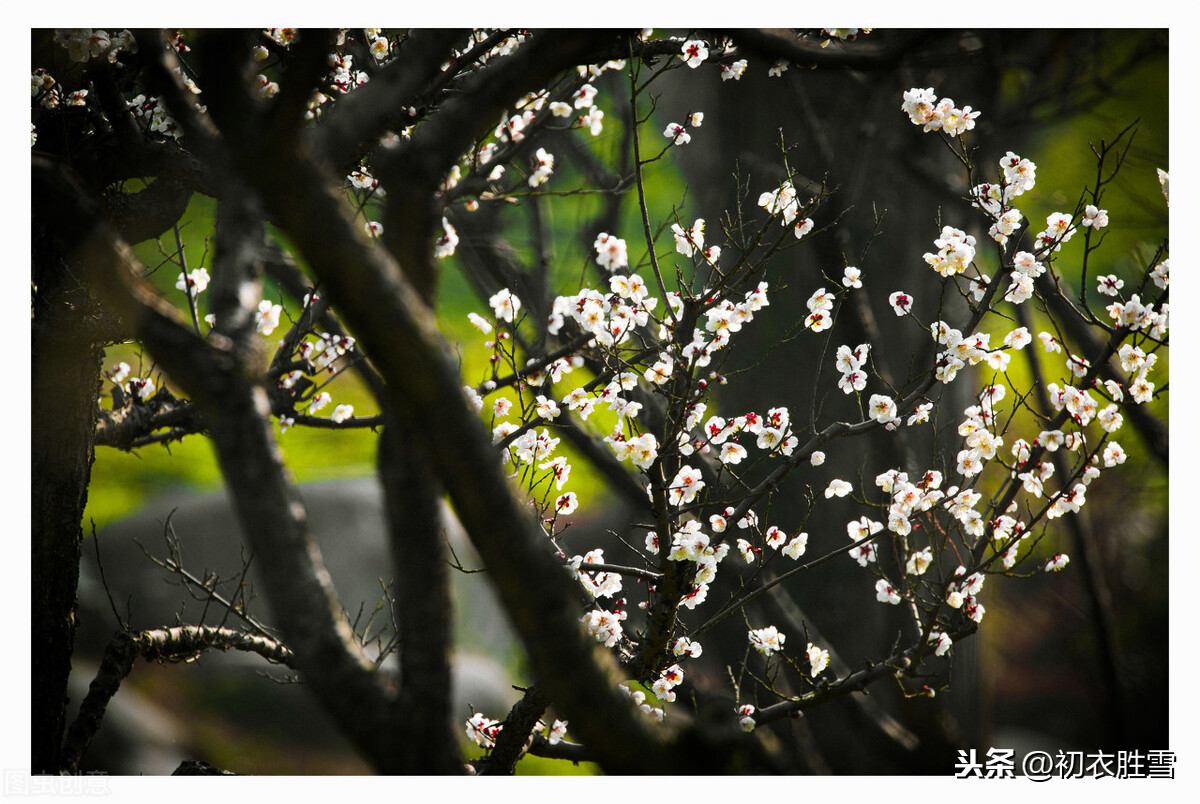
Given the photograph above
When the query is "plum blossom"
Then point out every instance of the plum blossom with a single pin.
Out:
(694, 53)
(882, 408)
(818, 659)
(611, 252)
(142, 388)
(194, 282)
(685, 486)
(1109, 285)
(677, 134)
(901, 302)
(1057, 563)
(687, 241)
(605, 626)
(445, 245)
(733, 71)
(746, 717)
(838, 488)
(545, 167)
(483, 730)
(796, 547)
(506, 304)
(267, 317)
(767, 640)
(885, 593)
(956, 250)
(919, 562)
(1095, 218)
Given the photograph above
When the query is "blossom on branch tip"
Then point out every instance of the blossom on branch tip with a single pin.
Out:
(267, 317)
(677, 134)
(818, 660)
(611, 252)
(839, 488)
(746, 717)
(733, 71)
(197, 280)
(1094, 217)
(767, 640)
(1057, 563)
(506, 304)
(445, 245)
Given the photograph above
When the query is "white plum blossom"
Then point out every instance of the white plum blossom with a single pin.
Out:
(838, 488)
(685, 486)
(885, 593)
(1057, 563)
(1094, 217)
(267, 317)
(694, 53)
(445, 245)
(882, 408)
(818, 659)
(483, 730)
(611, 252)
(901, 303)
(195, 282)
(919, 562)
(796, 547)
(605, 626)
(733, 70)
(767, 640)
(505, 304)
(677, 134)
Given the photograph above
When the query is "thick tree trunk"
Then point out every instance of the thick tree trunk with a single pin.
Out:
(63, 397)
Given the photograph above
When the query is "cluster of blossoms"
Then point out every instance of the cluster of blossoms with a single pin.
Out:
(1017, 176)
(605, 626)
(924, 109)
(820, 311)
(956, 251)
(598, 584)
(639, 699)
(85, 44)
(786, 203)
(483, 730)
(141, 388)
(622, 319)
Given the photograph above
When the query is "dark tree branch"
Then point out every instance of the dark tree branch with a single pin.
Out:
(177, 644)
